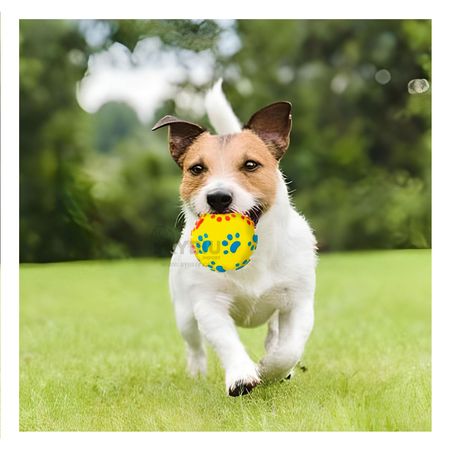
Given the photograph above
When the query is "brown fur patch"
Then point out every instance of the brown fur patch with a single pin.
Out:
(225, 156)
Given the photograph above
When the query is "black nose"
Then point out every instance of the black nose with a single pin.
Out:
(219, 200)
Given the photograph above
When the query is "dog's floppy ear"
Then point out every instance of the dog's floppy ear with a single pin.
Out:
(273, 125)
(181, 135)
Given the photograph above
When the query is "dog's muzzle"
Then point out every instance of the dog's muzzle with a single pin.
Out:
(220, 200)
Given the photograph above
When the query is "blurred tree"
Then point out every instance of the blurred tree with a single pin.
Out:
(135, 190)
(194, 35)
(112, 123)
(55, 209)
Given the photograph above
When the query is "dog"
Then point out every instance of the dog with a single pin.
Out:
(238, 170)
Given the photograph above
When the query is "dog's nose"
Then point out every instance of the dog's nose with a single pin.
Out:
(219, 200)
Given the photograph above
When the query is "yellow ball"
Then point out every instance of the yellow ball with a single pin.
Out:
(224, 242)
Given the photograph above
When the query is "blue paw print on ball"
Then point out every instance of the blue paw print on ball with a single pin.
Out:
(233, 246)
(253, 244)
(204, 244)
(216, 268)
(242, 264)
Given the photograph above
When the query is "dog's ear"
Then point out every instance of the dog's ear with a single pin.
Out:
(273, 125)
(181, 135)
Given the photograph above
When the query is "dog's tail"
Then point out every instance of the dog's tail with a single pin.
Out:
(219, 111)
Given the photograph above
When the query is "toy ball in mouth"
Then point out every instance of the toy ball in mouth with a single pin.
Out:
(224, 242)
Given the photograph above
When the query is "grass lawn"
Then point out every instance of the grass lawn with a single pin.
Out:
(99, 350)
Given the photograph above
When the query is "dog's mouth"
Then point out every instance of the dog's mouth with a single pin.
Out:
(255, 214)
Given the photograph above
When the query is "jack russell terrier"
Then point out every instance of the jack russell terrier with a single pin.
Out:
(238, 170)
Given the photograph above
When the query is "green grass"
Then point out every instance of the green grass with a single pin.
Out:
(99, 350)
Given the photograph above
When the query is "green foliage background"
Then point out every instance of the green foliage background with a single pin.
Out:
(103, 186)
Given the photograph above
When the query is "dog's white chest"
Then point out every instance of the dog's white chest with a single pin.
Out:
(254, 311)
(256, 291)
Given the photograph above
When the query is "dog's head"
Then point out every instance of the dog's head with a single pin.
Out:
(234, 172)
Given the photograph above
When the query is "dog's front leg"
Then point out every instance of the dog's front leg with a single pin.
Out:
(216, 324)
(295, 325)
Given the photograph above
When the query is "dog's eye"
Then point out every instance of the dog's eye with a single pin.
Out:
(251, 165)
(197, 169)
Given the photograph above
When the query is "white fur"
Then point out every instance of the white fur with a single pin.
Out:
(276, 287)
(219, 111)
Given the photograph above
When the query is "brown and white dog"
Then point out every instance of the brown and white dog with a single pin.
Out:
(237, 170)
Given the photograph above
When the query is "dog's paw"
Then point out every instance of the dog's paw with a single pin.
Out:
(242, 387)
(278, 366)
(242, 382)
(272, 373)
